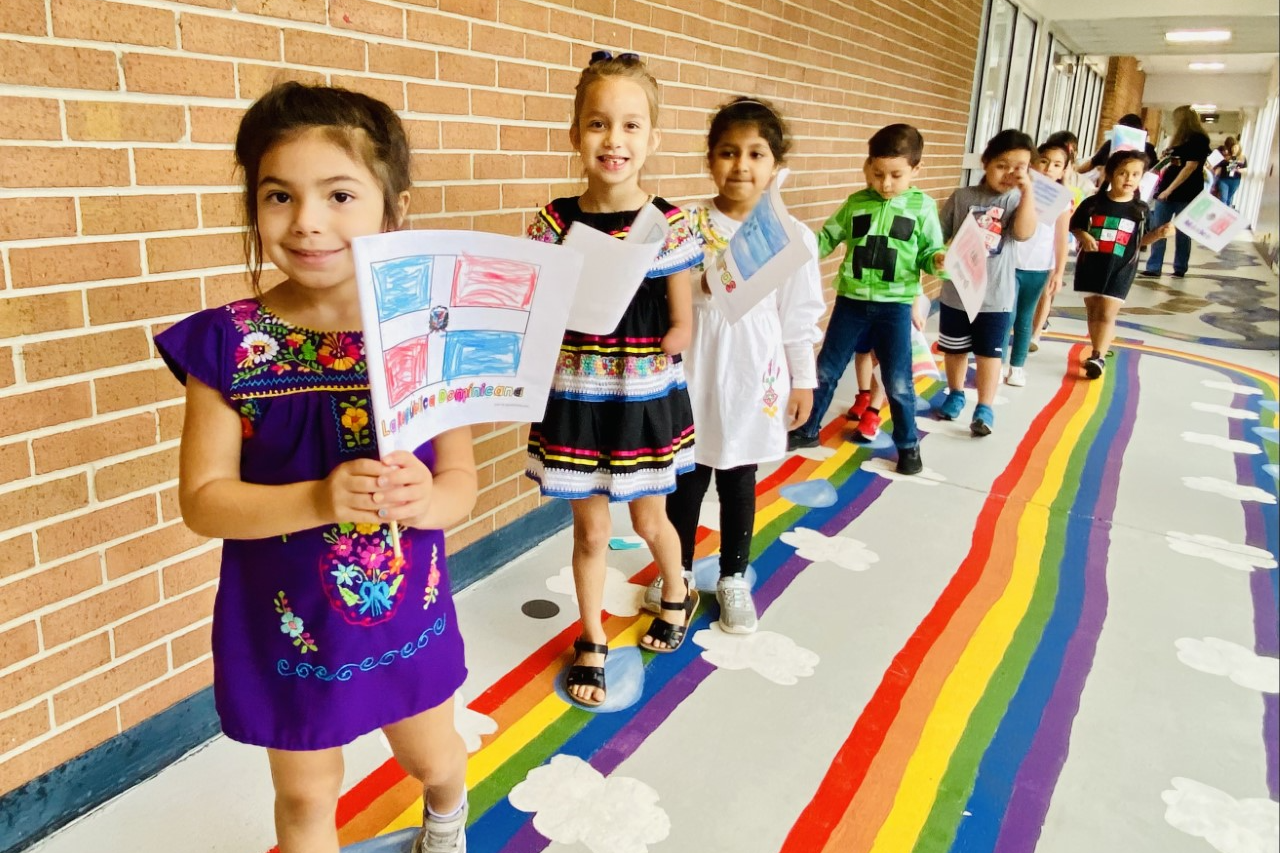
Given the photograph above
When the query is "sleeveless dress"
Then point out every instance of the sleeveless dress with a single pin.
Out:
(618, 420)
(322, 635)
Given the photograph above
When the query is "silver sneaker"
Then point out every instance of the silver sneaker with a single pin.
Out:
(653, 596)
(737, 610)
(443, 836)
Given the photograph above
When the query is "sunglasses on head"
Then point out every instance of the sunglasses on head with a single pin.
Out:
(605, 56)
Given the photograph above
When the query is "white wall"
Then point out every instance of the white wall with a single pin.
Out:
(1228, 91)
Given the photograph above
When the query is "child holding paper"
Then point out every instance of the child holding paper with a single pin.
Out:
(1042, 261)
(1004, 207)
(890, 232)
(752, 380)
(278, 458)
(1109, 226)
(618, 425)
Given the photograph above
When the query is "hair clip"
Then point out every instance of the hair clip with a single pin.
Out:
(605, 56)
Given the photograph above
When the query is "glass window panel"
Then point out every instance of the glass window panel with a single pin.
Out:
(995, 67)
(1024, 40)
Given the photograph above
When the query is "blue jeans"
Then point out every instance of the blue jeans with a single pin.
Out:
(1030, 285)
(1227, 189)
(1164, 212)
(888, 325)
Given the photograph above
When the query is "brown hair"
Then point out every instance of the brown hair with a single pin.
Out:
(366, 128)
(1186, 123)
(751, 111)
(627, 66)
(897, 140)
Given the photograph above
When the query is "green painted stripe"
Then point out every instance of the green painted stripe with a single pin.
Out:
(535, 753)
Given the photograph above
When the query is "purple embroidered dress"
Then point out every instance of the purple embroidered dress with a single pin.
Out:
(322, 635)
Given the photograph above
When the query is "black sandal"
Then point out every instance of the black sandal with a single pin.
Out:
(586, 676)
(662, 631)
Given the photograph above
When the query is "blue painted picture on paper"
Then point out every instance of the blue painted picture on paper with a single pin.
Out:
(403, 285)
(759, 239)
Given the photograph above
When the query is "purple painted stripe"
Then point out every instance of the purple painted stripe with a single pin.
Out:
(1037, 778)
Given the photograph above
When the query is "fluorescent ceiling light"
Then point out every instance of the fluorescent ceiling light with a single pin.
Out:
(1204, 108)
(1183, 36)
(1206, 66)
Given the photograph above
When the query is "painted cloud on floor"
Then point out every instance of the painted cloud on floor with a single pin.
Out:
(572, 802)
(775, 656)
(1228, 824)
(1246, 558)
(621, 597)
(1230, 386)
(1220, 657)
(1222, 443)
(1226, 411)
(817, 547)
(1228, 489)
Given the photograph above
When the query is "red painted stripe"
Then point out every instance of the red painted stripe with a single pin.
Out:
(849, 767)
(368, 789)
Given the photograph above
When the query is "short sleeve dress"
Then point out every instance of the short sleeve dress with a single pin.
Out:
(618, 420)
(322, 635)
(1117, 226)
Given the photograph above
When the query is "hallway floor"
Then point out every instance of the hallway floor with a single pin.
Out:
(1060, 638)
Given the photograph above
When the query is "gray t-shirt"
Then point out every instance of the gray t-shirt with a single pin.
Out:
(994, 212)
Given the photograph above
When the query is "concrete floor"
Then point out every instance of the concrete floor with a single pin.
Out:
(1061, 638)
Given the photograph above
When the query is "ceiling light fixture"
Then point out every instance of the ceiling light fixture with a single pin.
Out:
(1204, 108)
(1206, 66)
(1186, 36)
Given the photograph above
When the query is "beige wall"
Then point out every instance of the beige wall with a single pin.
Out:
(118, 216)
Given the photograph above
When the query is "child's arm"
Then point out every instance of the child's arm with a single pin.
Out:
(414, 495)
(800, 308)
(931, 247)
(680, 306)
(1025, 219)
(1165, 230)
(1061, 230)
(835, 230)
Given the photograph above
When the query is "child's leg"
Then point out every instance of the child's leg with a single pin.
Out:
(1043, 307)
(1030, 288)
(844, 330)
(1102, 322)
(307, 787)
(430, 750)
(649, 518)
(990, 337)
(863, 365)
(737, 490)
(591, 529)
(956, 365)
(683, 508)
(892, 340)
(988, 375)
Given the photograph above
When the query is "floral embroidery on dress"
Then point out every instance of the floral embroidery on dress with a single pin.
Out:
(270, 348)
(250, 415)
(291, 625)
(771, 374)
(361, 573)
(593, 364)
(353, 422)
(433, 579)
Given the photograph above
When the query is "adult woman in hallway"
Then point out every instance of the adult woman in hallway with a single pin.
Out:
(1181, 181)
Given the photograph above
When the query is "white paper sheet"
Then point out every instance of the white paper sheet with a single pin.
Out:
(459, 328)
(1124, 138)
(1215, 157)
(764, 252)
(1147, 186)
(1209, 222)
(967, 266)
(612, 269)
(1051, 197)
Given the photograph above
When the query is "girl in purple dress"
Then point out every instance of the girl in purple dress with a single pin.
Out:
(321, 632)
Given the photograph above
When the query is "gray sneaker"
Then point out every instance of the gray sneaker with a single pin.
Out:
(443, 836)
(737, 610)
(653, 596)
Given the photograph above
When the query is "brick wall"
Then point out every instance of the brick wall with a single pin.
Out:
(118, 216)
(1121, 95)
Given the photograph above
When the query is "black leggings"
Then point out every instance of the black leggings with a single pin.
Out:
(737, 490)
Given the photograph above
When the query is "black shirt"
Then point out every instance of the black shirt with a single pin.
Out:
(1194, 150)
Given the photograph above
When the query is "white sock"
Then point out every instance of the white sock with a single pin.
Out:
(451, 815)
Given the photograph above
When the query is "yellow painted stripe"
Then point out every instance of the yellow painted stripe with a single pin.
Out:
(966, 684)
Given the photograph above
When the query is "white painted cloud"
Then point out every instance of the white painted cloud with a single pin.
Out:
(1236, 414)
(817, 454)
(1222, 442)
(884, 468)
(817, 547)
(774, 656)
(1228, 824)
(472, 725)
(573, 803)
(1229, 490)
(621, 597)
(1246, 558)
(1220, 657)
(1231, 386)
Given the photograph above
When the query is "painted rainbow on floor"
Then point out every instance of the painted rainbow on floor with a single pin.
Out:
(1009, 642)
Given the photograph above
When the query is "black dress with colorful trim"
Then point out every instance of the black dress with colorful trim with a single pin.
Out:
(618, 421)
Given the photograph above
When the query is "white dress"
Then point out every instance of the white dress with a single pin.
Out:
(740, 375)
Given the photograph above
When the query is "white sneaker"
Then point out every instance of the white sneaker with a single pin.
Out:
(1017, 377)
(737, 610)
(443, 836)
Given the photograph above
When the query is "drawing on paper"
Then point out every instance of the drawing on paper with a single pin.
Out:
(759, 239)
(445, 317)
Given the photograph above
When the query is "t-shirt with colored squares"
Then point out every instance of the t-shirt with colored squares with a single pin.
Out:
(1118, 227)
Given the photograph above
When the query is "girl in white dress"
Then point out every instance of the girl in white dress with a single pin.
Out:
(750, 381)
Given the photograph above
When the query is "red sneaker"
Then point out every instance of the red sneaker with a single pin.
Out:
(859, 406)
(868, 427)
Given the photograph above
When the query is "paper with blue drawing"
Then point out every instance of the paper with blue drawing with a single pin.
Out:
(762, 254)
(460, 328)
(613, 269)
(1051, 198)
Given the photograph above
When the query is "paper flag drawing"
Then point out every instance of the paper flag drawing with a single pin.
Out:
(1051, 198)
(612, 269)
(1128, 139)
(762, 254)
(1215, 157)
(1209, 222)
(967, 266)
(459, 328)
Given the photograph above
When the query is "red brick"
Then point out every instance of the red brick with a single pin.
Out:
(366, 17)
(486, 9)
(35, 166)
(224, 37)
(53, 66)
(96, 528)
(186, 648)
(439, 100)
(436, 29)
(163, 621)
(171, 254)
(108, 605)
(179, 75)
(18, 643)
(325, 51)
(135, 388)
(473, 70)
(390, 92)
(83, 353)
(155, 699)
(255, 80)
(222, 210)
(313, 11)
(17, 554)
(114, 121)
(124, 302)
(469, 136)
(74, 262)
(24, 726)
(143, 472)
(60, 748)
(29, 118)
(189, 574)
(37, 409)
(41, 501)
(214, 124)
(96, 441)
(105, 689)
(133, 214)
(184, 167)
(15, 463)
(112, 23)
(23, 17)
(48, 312)
(411, 62)
(149, 548)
